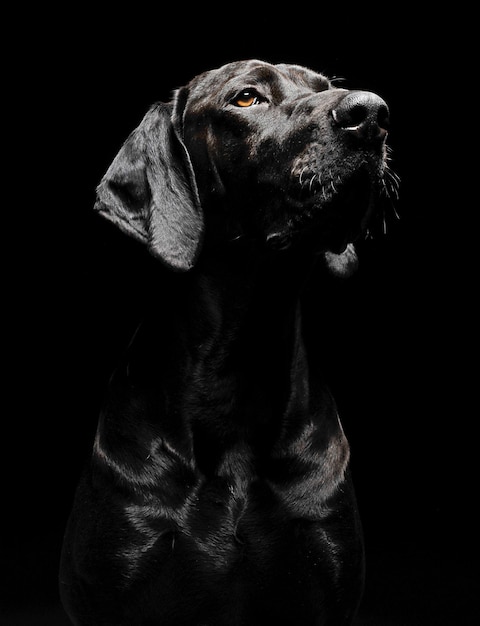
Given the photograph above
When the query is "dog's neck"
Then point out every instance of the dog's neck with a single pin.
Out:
(229, 334)
(220, 361)
(248, 360)
(253, 301)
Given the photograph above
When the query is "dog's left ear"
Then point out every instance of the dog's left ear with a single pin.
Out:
(149, 191)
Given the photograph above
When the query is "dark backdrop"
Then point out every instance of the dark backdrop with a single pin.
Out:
(399, 331)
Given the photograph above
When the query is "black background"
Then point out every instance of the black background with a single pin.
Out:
(400, 338)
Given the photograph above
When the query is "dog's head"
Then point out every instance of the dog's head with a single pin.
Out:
(252, 150)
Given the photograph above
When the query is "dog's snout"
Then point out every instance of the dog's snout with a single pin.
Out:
(363, 114)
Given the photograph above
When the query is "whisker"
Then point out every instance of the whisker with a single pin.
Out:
(331, 181)
(301, 174)
(390, 183)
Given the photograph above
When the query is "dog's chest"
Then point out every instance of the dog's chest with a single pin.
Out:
(250, 507)
(239, 540)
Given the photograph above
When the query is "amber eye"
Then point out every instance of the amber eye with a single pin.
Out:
(247, 98)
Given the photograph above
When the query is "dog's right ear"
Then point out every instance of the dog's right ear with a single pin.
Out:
(149, 191)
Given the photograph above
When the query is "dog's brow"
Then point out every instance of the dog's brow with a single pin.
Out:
(278, 79)
(263, 75)
(304, 77)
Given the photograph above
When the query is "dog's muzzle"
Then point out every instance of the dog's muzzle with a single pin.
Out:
(333, 193)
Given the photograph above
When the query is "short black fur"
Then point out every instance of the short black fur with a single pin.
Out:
(218, 492)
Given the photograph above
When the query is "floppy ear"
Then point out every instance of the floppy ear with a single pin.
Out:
(149, 191)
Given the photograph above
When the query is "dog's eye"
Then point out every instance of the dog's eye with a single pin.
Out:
(247, 98)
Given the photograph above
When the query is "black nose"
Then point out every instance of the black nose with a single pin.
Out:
(363, 114)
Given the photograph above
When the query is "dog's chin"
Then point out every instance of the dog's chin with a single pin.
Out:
(335, 243)
(330, 229)
(342, 264)
(341, 260)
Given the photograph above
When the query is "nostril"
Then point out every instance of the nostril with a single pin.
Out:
(356, 115)
(363, 113)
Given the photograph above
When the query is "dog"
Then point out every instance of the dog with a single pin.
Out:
(218, 492)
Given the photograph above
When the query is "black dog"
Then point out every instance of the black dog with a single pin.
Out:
(218, 491)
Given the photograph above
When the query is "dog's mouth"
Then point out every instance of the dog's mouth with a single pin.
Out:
(329, 219)
(328, 216)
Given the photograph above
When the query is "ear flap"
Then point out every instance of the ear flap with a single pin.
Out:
(149, 191)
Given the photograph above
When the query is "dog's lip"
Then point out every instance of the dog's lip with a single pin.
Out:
(341, 245)
(340, 248)
(318, 242)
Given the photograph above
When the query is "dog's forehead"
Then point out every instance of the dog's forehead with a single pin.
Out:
(240, 74)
